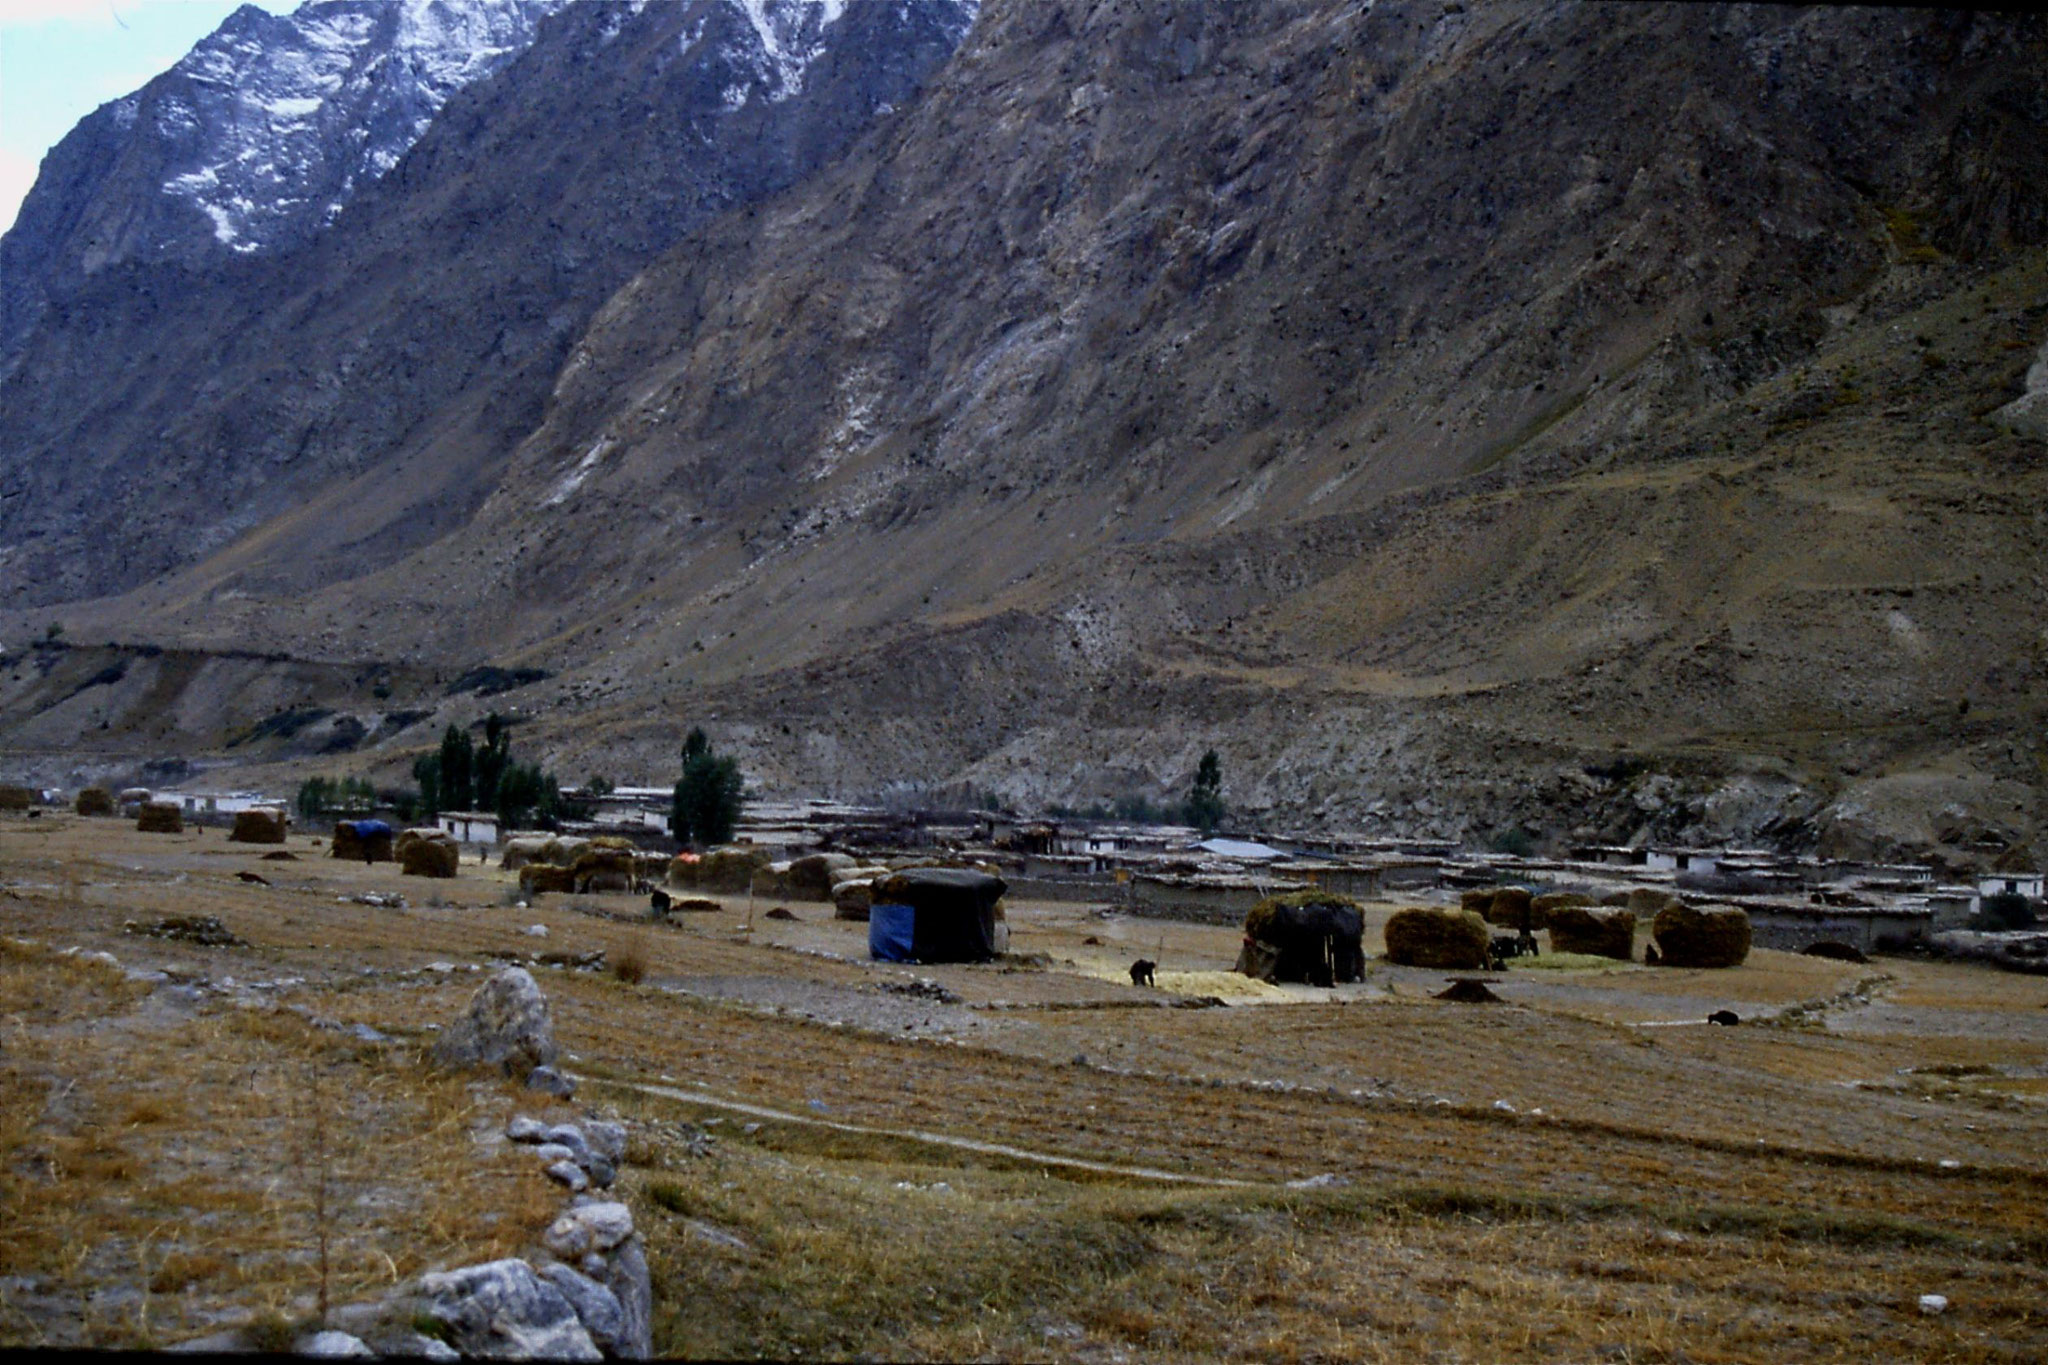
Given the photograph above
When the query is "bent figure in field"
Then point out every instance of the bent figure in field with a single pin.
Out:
(1141, 972)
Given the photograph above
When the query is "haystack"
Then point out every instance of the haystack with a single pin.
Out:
(95, 801)
(522, 849)
(682, 871)
(1479, 901)
(362, 841)
(810, 877)
(1711, 936)
(1541, 906)
(851, 900)
(1422, 936)
(535, 878)
(15, 798)
(1597, 931)
(161, 817)
(730, 871)
(1315, 937)
(420, 856)
(1509, 908)
(260, 825)
(603, 867)
(1647, 902)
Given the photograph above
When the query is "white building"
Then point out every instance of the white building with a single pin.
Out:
(469, 826)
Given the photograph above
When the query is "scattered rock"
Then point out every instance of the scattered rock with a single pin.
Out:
(506, 1026)
(503, 1310)
(205, 930)
(570, 1174)
(1933, 1304)
(607, 1140)
(535, 931)
(632, 1286)
(549, 1081)
(596, 1306)
(524, 1129)
(335, 1344)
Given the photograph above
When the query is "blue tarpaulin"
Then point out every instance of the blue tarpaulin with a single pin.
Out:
(369, 829)
(891, 931)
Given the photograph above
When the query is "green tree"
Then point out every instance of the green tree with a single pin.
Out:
(709, 796)
(458, 770)
(1204, 808)
(426, 770)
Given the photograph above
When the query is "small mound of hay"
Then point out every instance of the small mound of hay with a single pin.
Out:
(1838, 952)
(15, 798)
(161, 817)
(280, 855)
(781, 912)
(604, 866)
(94, 801)
(1712, 936)
(1562, 962)
(693, 905)
(1510, 908)
(853, 900)
(730, 871)
(1469, 990)
(1647, 902)
(428, 857)
(1422, 936)
(535, 878)
(259, 825)
(522, 849)
(374, 847)
(1540, 908)
(1596, 931)
(811, 877)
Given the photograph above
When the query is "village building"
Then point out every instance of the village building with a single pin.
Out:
(469, 826)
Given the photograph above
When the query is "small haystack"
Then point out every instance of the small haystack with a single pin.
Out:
(1648, 902)
(852, 900)
(15, 798)
(535, 878)
(161, 817)
(811, 877)
(260, 825)
(682, 871)
(1594, 930)
(606, 865)
(1470, 990)
(1510, 908)
(1454, 940)
(1541, 906)
(420, 855)
(1315, 937)
(362, 841)
(522, 849)
(730, 871)
(1711, 936)
(95, 801)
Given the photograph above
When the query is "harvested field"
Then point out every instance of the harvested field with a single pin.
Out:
(1029, 1158)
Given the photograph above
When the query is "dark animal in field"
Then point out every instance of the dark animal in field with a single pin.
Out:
(1141, 972)
(1727, 1017)
(252, 877)
(659, 902)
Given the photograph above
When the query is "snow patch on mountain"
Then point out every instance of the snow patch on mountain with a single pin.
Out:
(279, 120)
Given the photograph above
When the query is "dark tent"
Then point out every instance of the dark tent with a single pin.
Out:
(934, 914)
(1311, 936)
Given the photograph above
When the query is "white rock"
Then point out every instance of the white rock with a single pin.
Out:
(335, 1344)
(570, 1174)
(567, 1236)
(524, 1129)
(536, 931)
(1931, 1304)
(503, 1309)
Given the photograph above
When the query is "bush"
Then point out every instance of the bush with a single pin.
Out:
(2006, 910)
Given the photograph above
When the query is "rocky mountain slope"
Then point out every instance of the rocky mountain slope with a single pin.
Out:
(1493, 420)
(255, 140)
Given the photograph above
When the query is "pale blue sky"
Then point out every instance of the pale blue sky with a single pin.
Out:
(62, 59)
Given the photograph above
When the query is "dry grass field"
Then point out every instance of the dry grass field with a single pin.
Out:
(1028, 1159)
